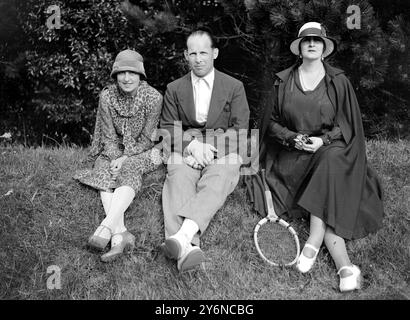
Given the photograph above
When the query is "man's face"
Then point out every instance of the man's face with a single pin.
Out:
(200, 55)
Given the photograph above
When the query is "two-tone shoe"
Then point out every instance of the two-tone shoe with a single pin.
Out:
(126, 244)
(96, 241)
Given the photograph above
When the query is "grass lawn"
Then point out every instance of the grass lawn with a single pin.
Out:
(46, 218)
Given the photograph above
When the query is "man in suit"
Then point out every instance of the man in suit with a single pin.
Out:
(206, 115)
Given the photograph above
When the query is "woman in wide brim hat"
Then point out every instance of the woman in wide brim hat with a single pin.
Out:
(314, 29)
(122, 149)
(313, 150)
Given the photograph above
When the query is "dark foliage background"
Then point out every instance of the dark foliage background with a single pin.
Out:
(50, 78)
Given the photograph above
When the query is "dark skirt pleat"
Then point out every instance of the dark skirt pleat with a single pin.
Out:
(316, 183)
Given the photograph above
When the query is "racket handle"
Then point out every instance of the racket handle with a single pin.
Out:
(268, 197)
(269, 202)
(265, 185)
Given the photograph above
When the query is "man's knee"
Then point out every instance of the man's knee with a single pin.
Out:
(229, 166)
(228, 176)
(232, 161)
(178, 169)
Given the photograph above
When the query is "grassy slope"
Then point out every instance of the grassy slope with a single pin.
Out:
(48, 218)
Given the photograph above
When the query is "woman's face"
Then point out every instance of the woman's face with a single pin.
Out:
(312, 48)
(128, 81)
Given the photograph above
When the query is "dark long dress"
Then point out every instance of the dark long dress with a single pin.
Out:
(302, 182)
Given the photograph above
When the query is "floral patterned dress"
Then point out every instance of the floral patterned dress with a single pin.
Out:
(125, 125)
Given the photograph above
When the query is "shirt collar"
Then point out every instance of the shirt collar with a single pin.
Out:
(209, 78)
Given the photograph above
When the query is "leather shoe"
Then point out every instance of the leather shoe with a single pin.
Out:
(192, 258)
(165, 251)
(96, 241)
(127, 244)
(175, 246)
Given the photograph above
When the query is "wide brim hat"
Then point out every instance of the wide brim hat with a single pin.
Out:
(128, 60)
(314, 29)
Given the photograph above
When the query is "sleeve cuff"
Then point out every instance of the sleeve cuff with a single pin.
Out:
(290, 142)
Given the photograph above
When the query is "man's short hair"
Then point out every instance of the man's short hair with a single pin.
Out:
(200, 32)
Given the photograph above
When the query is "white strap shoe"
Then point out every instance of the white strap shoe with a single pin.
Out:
(304, 264)
(351, 282)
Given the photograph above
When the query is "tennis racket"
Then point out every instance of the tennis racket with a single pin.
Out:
(276, 241)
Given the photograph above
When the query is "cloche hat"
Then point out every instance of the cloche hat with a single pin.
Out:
(128, 60)
(314, 29)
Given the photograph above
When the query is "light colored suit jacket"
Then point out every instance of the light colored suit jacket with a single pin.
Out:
(228, 115)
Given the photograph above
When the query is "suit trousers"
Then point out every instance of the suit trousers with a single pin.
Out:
(197, 194)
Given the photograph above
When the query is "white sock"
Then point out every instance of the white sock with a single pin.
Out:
(188, 229)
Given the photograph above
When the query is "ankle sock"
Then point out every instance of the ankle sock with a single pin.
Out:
(188, 229)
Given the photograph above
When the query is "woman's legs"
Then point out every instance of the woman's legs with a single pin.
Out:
(337, 248)
(335, 244)
(106, 198)
(104, 231)
(350, 275)
(121, 239)
(317, 230)
(120, 201)
(115, 204)
(130, 181)
(314, 242)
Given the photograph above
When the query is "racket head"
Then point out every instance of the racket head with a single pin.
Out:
(276, 242)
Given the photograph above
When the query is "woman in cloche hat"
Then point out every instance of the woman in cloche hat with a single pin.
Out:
(123, 149)
(315, 156)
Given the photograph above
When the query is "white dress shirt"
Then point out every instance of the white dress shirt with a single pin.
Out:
(202, 88)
